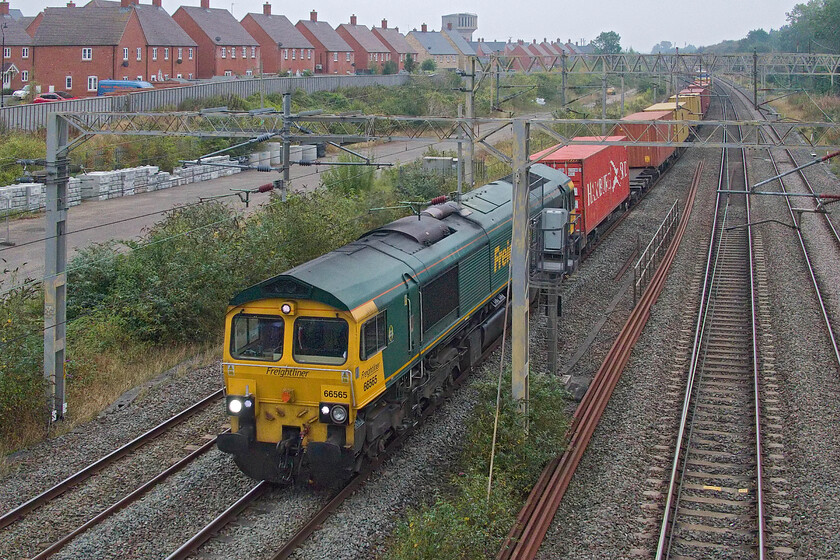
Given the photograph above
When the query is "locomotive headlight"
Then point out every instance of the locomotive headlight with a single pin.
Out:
(333, 413)
(338, 414)
(240, 406)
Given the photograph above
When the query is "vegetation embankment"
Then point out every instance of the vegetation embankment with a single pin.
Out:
(461, 520)
(809, 108)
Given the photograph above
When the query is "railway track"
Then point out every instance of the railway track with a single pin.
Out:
(75, 480)
(715, 500)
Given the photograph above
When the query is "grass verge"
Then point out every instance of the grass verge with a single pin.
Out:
(461, 522)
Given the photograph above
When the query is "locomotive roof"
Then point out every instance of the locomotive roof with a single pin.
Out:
(410, 249)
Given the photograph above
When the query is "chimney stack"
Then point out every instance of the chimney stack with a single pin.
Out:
(267, 9)
(353, 19)
(384, 24)
(71, 4)
(205, 4)
(313, 16)
(423, 27)
(157, 3)
(449, 26)
(4, 8)
(123, 4)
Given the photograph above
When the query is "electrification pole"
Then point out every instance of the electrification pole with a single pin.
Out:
(55, 265)
(755, 80)
(563, 79)
(520, 356)
(469, 178)
(287, 167)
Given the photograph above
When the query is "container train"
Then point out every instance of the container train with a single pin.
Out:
(326, 363)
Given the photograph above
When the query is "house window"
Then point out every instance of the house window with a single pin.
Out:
(253, 52)
(249, 73)
(285, 54)
(166, 53)
(233, 52)
(179, 76)
(125, 53)
(7, 52)
(190, 76)
(93, 82)
(335, 57)
(140, 78)
(166, 77)
(24, 75)
(244, 52)
(154, 53)
(87, 54)
(68, 82)
(309, 54)
(376, 57)
(294, 51)
(228, 73)
(348, 56)
(180, 53)
(24, 52)
(190, 54)
(125, 77)
(224, 52)
(152, 78)
(139, 53)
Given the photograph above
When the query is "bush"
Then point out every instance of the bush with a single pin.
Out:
(462, 523)
(428, 65)
(390, 67)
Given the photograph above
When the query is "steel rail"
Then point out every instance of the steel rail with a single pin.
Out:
(11, 516)
(127, 500)
(534, 519)
(223, 519)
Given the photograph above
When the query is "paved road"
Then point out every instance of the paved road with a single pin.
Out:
(127, 217)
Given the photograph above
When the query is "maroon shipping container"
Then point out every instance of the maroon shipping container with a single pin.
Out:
(647, 156)
(705, 96)
(600, 177)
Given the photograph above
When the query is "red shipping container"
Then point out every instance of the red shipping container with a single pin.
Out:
(647, 156)
(599, 174)
(705, 97)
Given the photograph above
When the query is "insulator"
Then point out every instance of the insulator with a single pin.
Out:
(264, 168)
(264, 137)
(265, 188)
(438, 200)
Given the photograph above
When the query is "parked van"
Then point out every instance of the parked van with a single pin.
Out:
(110, 86)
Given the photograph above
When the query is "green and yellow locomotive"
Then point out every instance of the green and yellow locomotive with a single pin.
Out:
(325, 363)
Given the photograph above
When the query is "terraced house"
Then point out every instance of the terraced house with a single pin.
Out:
(225, 48)
(332, 53)
(17, 52)
(75, 47)
(369, 52)
(284, 48)
(433, 45)
(396, 43)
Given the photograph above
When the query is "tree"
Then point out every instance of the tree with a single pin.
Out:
(662, 47)
(608, 42)
(428, 65)
(390, 67)
(409, 64)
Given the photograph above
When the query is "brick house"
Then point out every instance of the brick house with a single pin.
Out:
(396, 43)
(225, 48)
(433, 45)
(369, 52)
(521, 57)
(76, 47)
(461, 45)
(17, 53)
(332, 53)
(284, 48)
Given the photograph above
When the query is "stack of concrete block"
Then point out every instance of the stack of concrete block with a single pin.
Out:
(195, 173)
(74, 191)
(143, 178)
(25, 196)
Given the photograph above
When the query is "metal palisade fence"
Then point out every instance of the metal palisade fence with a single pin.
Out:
(33, 116)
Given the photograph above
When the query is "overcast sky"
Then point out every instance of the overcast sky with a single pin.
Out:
(641, 23)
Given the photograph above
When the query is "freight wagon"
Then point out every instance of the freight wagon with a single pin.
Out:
(601, 180)
(680, 113)
(648, 156)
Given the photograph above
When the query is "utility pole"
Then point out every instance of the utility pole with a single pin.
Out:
(496, 89)
(604, 99)
(469, 176)
(55, 265)
(755, 79)
(622, 95)
(520, 356)
(563, 79)
(287, 171)
(460, 168)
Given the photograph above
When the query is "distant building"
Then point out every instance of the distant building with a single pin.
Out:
(332, 53)
(465, 24)
(396, 43)
(225, 48)
(433, 45)
(284, 48)
(18, 53)
(369, 52)
(465, 50)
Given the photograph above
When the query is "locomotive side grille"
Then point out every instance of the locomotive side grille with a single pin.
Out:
(474, 279)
